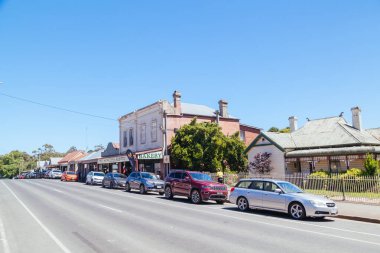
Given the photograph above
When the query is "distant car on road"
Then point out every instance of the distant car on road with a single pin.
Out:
(280, 196)
(94, 177)
(144, 182)
(55, 174)
(114, 180)
(69, 176)
(196, 186)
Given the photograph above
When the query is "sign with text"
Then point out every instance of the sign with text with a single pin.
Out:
(151, 156)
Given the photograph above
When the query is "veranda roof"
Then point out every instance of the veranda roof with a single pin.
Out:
(333, 151)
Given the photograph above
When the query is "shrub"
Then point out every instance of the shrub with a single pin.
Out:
(371, 165)
(319, 174)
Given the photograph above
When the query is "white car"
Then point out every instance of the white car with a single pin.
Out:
(280, 196)
(94, 177)
(55, 174)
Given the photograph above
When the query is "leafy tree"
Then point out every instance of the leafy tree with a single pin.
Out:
(285, 130)
(71, 149)
(274, 129)
(261, 163)
(277, 130)
(14, 162)
(203, 146)
(371, 165)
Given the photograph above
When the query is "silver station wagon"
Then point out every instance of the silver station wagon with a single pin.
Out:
(280, 196)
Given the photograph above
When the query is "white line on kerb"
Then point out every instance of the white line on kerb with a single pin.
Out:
(51, 235)
(3, 238)
(110, 208)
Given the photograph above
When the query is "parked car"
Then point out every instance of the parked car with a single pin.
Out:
(94, 177)
(47, 174)
(114, 180)
(280, 196)
(23, 175)
(196, 186)
(54, 174)
(69, 176)
(31, 175)
(144, 182)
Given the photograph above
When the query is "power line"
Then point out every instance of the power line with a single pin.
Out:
(56, 107)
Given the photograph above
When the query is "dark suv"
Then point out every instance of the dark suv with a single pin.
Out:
(196, 186)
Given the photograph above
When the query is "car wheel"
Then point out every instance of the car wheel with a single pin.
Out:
(242, 204)
(86, 182)
(92, 182)
(196, 197)
(161, 193)
(168, 192)
(127, 187)
(142, 189)
(111, 185)
(297, 211)
(103, 185)
(220, 202)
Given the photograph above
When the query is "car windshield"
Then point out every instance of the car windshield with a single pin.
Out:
(56, 171)
(119, 175)
(290, 188)
(200, 176)
(70, 173)
(99, 174)
(149, 176)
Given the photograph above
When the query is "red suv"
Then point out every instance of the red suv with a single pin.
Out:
(196, 186)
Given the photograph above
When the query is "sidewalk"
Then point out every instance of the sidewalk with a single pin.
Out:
(359, 212)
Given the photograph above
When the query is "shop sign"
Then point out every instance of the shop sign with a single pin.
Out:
(150, 156)
(167, 159)
(117, 159)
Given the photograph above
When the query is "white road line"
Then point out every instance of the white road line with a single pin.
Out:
(3, 238)
(51, 235)
(58, 191)
(213, 208)
(110, 208)
(258, 222)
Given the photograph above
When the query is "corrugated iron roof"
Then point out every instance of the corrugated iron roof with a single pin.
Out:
(326, 132)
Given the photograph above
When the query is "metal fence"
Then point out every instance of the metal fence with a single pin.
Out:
(364, 189)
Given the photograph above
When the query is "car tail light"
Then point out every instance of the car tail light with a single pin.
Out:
(232, 189)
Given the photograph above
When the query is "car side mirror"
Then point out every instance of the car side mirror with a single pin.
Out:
(279, 191)
(187, 179)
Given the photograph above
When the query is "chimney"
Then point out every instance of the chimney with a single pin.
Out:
(293, 123)
(356, 118)
(223, 108)
(177, 102)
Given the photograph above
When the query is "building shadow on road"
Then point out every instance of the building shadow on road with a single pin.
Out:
(271, 214)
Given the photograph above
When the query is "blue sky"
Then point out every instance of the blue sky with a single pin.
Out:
(269, 59)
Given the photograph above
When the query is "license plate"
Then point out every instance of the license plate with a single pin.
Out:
(159, 187)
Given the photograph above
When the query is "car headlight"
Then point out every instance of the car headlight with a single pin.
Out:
(318, 203)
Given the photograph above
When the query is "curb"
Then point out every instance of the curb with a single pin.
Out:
(356, 218)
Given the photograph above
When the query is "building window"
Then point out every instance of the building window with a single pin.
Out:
(153, 133)
(125, 139)
(143, 133)
(242, 135)
(131, 137)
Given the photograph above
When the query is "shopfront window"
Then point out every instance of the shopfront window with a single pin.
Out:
(154, 130)
(131, 137)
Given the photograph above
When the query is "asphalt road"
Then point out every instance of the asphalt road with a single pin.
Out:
(53, 216)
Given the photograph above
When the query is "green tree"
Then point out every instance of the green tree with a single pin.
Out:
(203, 146)
(274, 129)
(14, 162)
(371, 165)
(71, 149)
(285, 130)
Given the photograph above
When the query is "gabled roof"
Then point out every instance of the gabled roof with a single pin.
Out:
(92, 156)
(322, 133)
(72, 157)
(55, 160)
(199, 110)
(375, 132)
